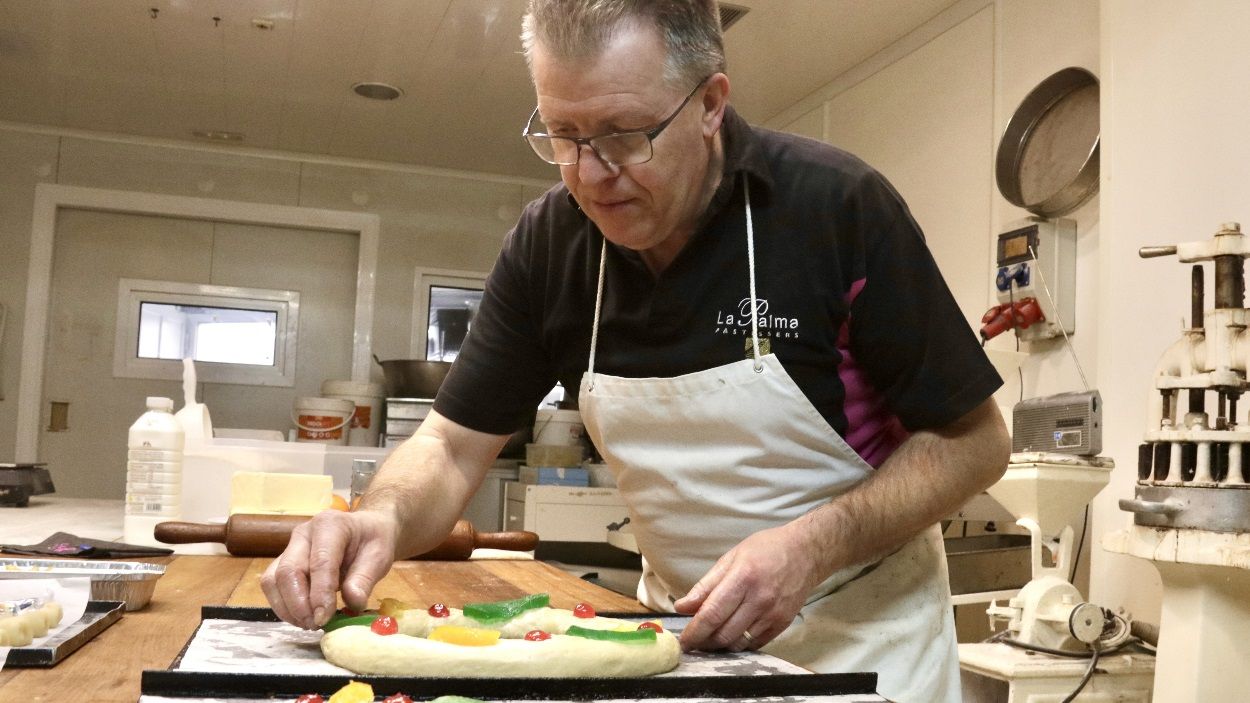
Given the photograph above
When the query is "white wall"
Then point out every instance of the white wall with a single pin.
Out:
(429, 218)
(1176, 164)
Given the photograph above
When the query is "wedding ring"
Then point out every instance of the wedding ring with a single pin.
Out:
(747, 636)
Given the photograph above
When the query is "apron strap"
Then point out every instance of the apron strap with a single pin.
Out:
(755, 318)
(594, 330)
(755, 321)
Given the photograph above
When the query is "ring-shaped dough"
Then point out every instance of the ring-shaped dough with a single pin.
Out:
(358, 649)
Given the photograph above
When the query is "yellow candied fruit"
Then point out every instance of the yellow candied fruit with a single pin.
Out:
(353, 692)
(393, 607)
(465, 636)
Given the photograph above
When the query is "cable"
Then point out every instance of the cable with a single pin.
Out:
(1058, 321)
(1015, 332)
(1089, 674)
(1076, 560)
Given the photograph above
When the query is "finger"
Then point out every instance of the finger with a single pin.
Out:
(327, 540)
(748, 642)
(730, 634)
(694, 598)
(369, 565)
(268, 584)
(290, 581)
(717, 608)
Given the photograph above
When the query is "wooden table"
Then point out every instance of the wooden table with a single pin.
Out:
(108, 667)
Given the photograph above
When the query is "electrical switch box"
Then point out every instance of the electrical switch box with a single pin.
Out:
(1035, 279)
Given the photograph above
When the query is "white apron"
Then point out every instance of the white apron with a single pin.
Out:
(706, 459)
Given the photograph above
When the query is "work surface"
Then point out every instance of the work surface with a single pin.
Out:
(108, 668)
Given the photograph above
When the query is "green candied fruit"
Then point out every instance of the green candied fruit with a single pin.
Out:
(341, 619)
(643, 635)
(505, 609)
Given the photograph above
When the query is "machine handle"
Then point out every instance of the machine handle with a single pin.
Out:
(1152, 252)
(1151, 507)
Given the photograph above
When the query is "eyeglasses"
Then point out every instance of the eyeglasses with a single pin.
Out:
(618, 149)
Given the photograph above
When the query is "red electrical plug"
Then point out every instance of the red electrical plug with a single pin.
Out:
(1027, 312)
(996, 320)
(1000, 318)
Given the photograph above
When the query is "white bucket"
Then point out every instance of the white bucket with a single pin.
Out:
(367, 418)
(322, 420)
(563, 427)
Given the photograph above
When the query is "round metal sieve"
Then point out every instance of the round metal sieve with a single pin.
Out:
(1047, 160)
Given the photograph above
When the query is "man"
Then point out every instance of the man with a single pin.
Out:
(766, 354)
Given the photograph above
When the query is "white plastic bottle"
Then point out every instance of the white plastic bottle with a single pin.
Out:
(153, 473)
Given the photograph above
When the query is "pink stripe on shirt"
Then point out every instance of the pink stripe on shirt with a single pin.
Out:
(871, 429)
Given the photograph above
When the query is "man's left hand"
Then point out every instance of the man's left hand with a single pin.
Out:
(751, 594)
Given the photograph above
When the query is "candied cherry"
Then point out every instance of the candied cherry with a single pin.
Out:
(439, 610)
(648, 625)
(310, 698)
(385, 625)
(584, 610)
(397, 698)
(537, 635)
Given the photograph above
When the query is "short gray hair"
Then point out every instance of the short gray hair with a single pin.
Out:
(576, 29)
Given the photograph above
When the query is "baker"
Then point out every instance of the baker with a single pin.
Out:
(765, 354)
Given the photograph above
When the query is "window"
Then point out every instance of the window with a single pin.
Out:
(443, 311)
(222, 335)
(236, 335)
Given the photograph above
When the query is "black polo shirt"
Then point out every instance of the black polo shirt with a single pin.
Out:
(850, 301)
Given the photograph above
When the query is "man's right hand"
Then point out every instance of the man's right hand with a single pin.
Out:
(334, 551)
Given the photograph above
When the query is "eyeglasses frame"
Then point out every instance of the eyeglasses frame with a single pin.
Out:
(650, 134)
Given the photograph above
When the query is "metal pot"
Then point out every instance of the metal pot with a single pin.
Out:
(413, 378)
(418, 378)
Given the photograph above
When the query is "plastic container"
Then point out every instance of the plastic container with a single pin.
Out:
(557, 455)
(367, 417)
(563, 427)
(322, 420)
(153, 472)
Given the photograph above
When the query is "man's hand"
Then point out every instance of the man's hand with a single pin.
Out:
(331, 552)
(757, 587)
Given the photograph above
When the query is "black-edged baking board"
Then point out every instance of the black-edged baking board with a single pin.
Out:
(753, 684)
(95, 619)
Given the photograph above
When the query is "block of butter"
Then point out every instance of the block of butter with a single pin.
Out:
(257, 493)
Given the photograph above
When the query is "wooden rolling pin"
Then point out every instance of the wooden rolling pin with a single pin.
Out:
(268, 535)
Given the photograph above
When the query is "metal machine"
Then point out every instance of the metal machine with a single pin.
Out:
(1191, 504)
(1046, 492)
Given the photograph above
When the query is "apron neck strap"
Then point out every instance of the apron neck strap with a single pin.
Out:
(755, 318)
(594, 330)
(755, 324)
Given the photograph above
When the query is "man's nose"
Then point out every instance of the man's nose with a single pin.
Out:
(591, 168)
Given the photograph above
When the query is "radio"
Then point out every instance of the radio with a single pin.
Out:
(1065, 423)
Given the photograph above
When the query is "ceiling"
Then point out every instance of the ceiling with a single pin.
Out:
(280, 72)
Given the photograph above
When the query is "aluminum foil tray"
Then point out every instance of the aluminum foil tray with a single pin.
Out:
(98, 616)
(131, 582)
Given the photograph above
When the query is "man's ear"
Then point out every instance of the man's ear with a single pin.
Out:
(715, 100)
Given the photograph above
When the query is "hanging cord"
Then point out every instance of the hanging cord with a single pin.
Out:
(1062, 329)
(594, 330)
(755, 318)
(1089, 674)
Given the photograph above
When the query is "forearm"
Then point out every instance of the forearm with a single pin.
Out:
(926, 479)
(426, 482)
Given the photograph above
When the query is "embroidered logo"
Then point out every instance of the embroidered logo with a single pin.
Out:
(738, 322)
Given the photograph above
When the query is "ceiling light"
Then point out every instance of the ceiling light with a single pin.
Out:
(377, 91)
(218, 135)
